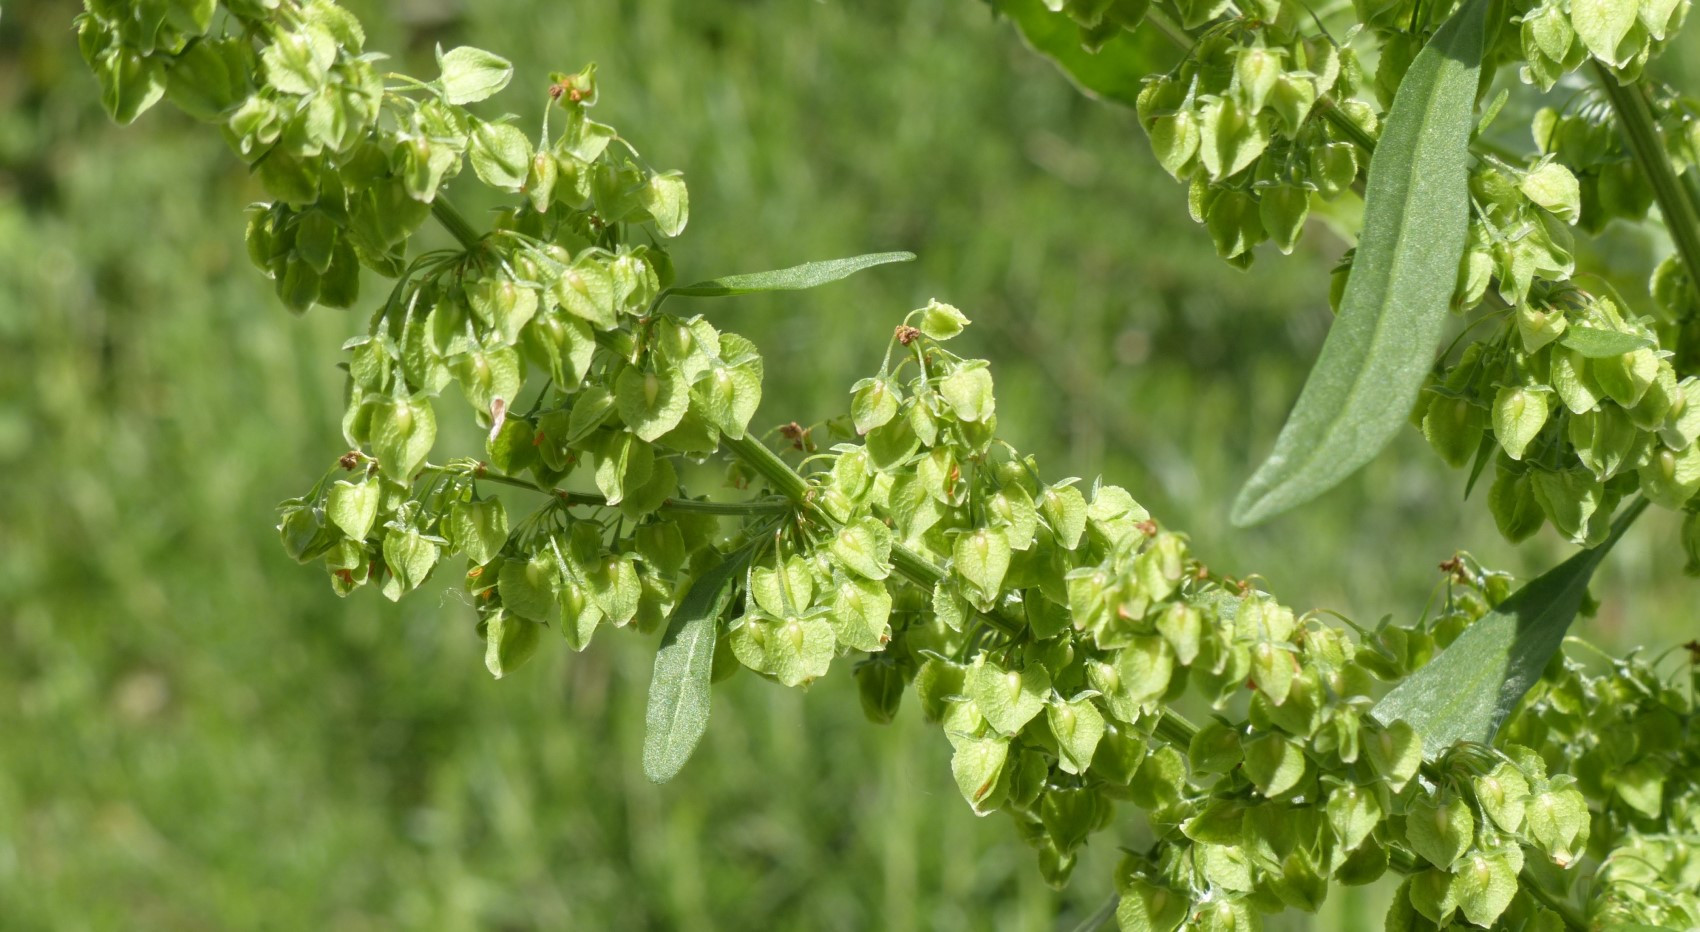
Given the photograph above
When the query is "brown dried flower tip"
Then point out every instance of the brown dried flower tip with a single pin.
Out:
(569, 88)
(907, 334)
(349, 460)
(797, 434)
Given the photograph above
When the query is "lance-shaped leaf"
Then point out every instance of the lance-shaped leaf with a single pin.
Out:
(679, 690)
(1466, 692)
(1416, 213)
(797, 278)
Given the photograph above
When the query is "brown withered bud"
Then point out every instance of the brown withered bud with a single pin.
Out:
(798, 435)
(907, 334)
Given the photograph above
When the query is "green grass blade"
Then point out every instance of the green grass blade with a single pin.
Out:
(1416, 213)
(796, 278)
(679, 690)
(1466, 692)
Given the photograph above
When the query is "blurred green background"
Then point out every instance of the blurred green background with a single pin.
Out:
(196, 734)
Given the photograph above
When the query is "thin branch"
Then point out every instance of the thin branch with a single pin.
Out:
(1099, 916)
(452, 221)
(1566, 910)
(764, 506)
(1635, 115)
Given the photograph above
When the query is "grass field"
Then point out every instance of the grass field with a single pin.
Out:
(196, 734)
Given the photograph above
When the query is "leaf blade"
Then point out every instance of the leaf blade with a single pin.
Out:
(1379, 350)
(678, 708)
(796, 278)
(1466, 692)
(1116, 71)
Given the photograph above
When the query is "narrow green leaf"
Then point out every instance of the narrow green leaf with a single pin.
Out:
(1396, 302)
(1466, 692)
(796, 278)
(679, 690)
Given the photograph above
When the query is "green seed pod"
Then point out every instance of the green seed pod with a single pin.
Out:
(1539, 325)
(1570, 498)
(1078, 727)
(1519, 413)
(1572, 377)
(880, 683)
(1282, 210)
(1558, 823)
(1671, 478)
(1672, 290)
(1174, 140)
(1691, 543)
(1230, 138)
(1625, 378)
(509, 642)
(1514, 507)
(1333, 167)
(1454, 428)
(978, 766)
(1215, 748)
(1502, 793)
(1661, 396)
(1293, 97)
(1439, 828)
(1605, 440)
(1554, 189)
(1234, 223)
(1257, 70)
(941, 321)
(1161, 95)
(1275, 764)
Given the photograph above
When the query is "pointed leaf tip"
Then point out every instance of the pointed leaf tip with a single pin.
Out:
(796, 278)
(1382, 345)
(679, 692)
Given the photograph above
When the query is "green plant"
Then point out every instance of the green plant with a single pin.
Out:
(1051, 631)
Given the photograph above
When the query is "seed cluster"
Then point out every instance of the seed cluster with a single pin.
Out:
(1051, 628)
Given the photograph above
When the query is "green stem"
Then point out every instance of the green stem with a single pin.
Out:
(1099, 916)
(1175, 730)
(1635, 115)
(769, 466)
(1566, 910)
(1345, 124)
(453, 222)
(1403, 862)
(765, 506)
